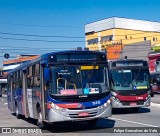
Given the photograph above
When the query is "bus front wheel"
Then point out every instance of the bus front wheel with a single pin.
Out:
(92, 122)
(152, 94)
(17, 112)
(40, 122)
(135, 109)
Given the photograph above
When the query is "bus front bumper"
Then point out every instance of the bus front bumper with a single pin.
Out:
(79, 115)
(117, 104)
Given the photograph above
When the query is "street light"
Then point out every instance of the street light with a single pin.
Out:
(6, 55)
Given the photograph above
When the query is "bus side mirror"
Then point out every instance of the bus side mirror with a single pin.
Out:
(47, 74)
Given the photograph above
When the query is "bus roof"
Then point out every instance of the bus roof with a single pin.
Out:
(128, 63)
(128, 60)
(44, 56)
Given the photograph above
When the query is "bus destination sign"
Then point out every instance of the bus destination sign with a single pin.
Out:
(129, 63)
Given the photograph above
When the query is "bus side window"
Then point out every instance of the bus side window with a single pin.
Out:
(47, 79)
(28, 81)
(19, 80)
(14, 84)
(29, 77)
(37, 76)
(32, 81)
(36, 81)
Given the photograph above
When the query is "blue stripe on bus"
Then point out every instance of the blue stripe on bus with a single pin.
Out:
(85, 104)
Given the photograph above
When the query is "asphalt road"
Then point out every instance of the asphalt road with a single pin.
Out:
(156, 98)
(144, 118)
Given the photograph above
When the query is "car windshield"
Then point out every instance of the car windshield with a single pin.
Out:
(78, 80)
(131, 79)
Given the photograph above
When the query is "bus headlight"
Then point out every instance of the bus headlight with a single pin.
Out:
(116, 99)
(52, 105)
(113, 97)
(107, 103)
(57, 108)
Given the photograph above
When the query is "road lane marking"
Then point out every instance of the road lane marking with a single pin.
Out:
(134, 122)
(5, 103)
(155, 104)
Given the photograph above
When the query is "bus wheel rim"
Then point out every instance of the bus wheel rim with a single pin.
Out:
(17, 113)
(40, 117)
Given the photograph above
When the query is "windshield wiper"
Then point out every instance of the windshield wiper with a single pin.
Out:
(138, 74)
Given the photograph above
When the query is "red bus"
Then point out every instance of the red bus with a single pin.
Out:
(154, 61)
(155, 82)
(130, 84)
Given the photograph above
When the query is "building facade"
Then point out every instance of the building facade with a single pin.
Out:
(115, 33)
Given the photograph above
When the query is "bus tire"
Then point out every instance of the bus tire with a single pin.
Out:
(92, 122)
(40, 122)
(152, 94)
(17, 112)
(135, 109)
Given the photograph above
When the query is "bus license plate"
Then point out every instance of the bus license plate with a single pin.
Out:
(83, 114)
(133, 103)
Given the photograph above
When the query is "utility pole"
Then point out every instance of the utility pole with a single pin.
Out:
(121, 50)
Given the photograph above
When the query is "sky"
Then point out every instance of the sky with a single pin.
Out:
(40, 26)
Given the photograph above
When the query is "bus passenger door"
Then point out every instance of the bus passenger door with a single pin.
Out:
(46, 89)
(25, 102)
(10, 94)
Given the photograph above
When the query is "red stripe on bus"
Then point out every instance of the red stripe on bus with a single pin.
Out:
(70, 105)
(132, 98)
(38, 94)
(49, 106)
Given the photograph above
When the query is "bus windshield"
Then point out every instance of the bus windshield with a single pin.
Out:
(130, 79)
(76, 80)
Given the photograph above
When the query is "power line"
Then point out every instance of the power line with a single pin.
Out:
(40, 25)
(29, 51)
(55, 36)
(44, 36)
(24, 48)
(29, 48)
(38, 40)
(51, 36)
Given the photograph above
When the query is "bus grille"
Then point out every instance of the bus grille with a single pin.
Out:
(82, 108)
(137, 103)
(91, 114)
